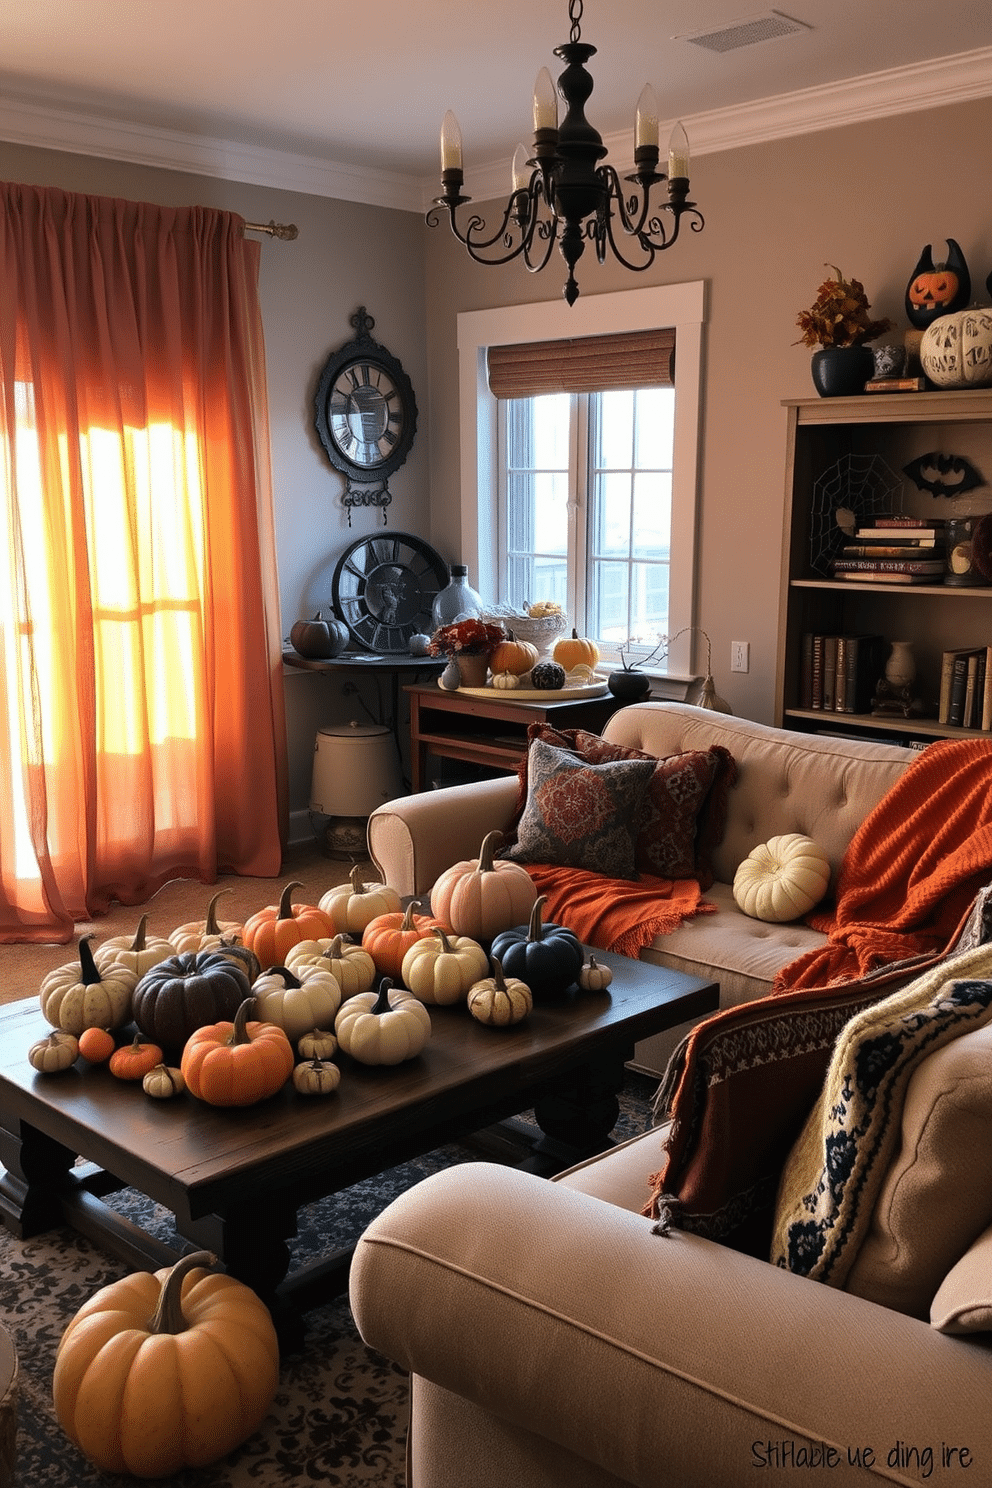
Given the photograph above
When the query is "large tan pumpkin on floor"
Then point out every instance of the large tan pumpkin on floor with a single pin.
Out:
(782, 879)
(159, 1373)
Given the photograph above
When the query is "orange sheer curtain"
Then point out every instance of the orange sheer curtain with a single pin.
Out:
(142, 732)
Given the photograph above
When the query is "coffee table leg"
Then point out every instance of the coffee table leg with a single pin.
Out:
(577, 1115)
(37, 1170)
(251, 1240)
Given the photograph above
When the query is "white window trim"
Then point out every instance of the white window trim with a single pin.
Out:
(679, 305)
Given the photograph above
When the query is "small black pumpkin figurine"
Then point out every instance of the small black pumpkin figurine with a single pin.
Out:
(937, 289)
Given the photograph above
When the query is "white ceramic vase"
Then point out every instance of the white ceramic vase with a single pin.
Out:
(900, 669)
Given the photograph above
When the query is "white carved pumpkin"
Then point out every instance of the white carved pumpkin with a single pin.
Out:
(782, 879)
(956, 350)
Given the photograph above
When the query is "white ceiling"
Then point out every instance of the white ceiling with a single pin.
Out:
(302, 91)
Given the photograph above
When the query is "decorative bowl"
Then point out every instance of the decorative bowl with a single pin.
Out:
(540, 630)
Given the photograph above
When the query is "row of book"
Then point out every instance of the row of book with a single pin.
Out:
(893, 549)
(839, 673)
(966, 688)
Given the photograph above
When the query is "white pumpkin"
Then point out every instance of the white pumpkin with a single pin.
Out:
(138, 952)
(296, 1001)
(956, 350)
(383, 1028)
(352, 967)
(782, 879)
(441, 967)
(354, 904)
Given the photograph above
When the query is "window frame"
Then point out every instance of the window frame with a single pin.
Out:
(680, 305)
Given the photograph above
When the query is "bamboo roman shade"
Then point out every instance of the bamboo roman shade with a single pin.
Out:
(586, 364)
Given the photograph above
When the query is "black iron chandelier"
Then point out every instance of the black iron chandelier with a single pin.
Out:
(562, 193)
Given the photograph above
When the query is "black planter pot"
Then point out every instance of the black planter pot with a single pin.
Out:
(841, 371)
(629, 686)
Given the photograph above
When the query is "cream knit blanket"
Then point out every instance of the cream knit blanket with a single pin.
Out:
(833, 1176)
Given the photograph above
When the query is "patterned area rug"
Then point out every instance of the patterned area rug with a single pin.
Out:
(340, 1415)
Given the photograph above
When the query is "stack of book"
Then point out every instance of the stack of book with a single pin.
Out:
(839, 672)
(894, 550)
(966, 688)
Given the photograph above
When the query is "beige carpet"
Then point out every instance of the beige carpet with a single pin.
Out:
(183, 899)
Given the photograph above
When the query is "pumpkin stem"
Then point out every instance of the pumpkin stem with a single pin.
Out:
(334, 951)
(285, 911)
(356, 879)
(239, 1031)
(138, 943)
(487, 851)
(90, 976)
(498, 978)
(169, 1316)
(534, 924)
(382, 1003)
(446, 945)
(407, 921)
(288, 977)
(210, 925)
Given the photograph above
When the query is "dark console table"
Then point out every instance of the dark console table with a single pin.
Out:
(488, 731)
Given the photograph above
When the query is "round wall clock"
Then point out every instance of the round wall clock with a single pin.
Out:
(366, 415)
(384, 589)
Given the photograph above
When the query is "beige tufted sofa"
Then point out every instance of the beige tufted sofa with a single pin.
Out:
(821, 786)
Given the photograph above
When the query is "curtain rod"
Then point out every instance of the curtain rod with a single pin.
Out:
(285, 230)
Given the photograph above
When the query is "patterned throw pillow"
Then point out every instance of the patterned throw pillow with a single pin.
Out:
(579, 815)
(685, 806)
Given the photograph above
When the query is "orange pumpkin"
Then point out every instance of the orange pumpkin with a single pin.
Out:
(483, 895)
(133, 1061)
(575, 650)
(239, 1063)
(388, 937)
(513, 656)
(274, 930)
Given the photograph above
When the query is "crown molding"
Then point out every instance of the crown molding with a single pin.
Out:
(945, 80)
(877, 95)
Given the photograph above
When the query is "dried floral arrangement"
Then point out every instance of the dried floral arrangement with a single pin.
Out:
(468, 637)
(839, 317)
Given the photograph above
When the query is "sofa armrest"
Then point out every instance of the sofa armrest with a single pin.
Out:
(413, 839)
(658, 1359)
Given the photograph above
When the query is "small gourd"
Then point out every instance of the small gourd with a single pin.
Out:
(133, 1061)
(163, 1082)
(57, 1052)
(499, 1000)
(505, 681)
(78, 995)
(385, 1027)
(97, 1044)
(316, 1077)
(440, 969)
(319, 1043)
(352, 905)
(594, 976)
(548, 676)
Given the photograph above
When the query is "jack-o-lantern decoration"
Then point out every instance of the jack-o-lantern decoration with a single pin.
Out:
(937, 289)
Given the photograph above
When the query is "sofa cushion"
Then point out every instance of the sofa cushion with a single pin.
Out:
(963, 1303)
(834, 1177)
(684, 810)
(937, 1195)
(580, 815)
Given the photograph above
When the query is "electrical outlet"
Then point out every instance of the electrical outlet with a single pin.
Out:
(740, 656)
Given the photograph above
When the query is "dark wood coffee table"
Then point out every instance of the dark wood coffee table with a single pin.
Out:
(235, 1178)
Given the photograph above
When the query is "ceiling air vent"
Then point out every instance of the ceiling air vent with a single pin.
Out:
(747, 32)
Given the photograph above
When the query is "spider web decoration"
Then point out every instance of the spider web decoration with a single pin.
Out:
(860, 484)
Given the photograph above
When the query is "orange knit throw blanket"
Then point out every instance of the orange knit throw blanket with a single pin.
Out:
(616, 914)
(910, 871)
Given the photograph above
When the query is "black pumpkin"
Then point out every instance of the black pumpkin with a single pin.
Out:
(548, 957)
(319, 639)
(186, 992)
(547, 676)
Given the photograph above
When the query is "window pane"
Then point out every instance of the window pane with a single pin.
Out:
(651, 527)
(611, 505)
(616, 430)
(654, 428)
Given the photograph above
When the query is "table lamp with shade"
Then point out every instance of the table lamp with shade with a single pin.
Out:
(355, 769)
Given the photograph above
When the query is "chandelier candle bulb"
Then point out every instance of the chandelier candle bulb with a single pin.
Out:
(521, 169)
(451, 143)
(678, 154)
(646, 125)
(545, 102)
